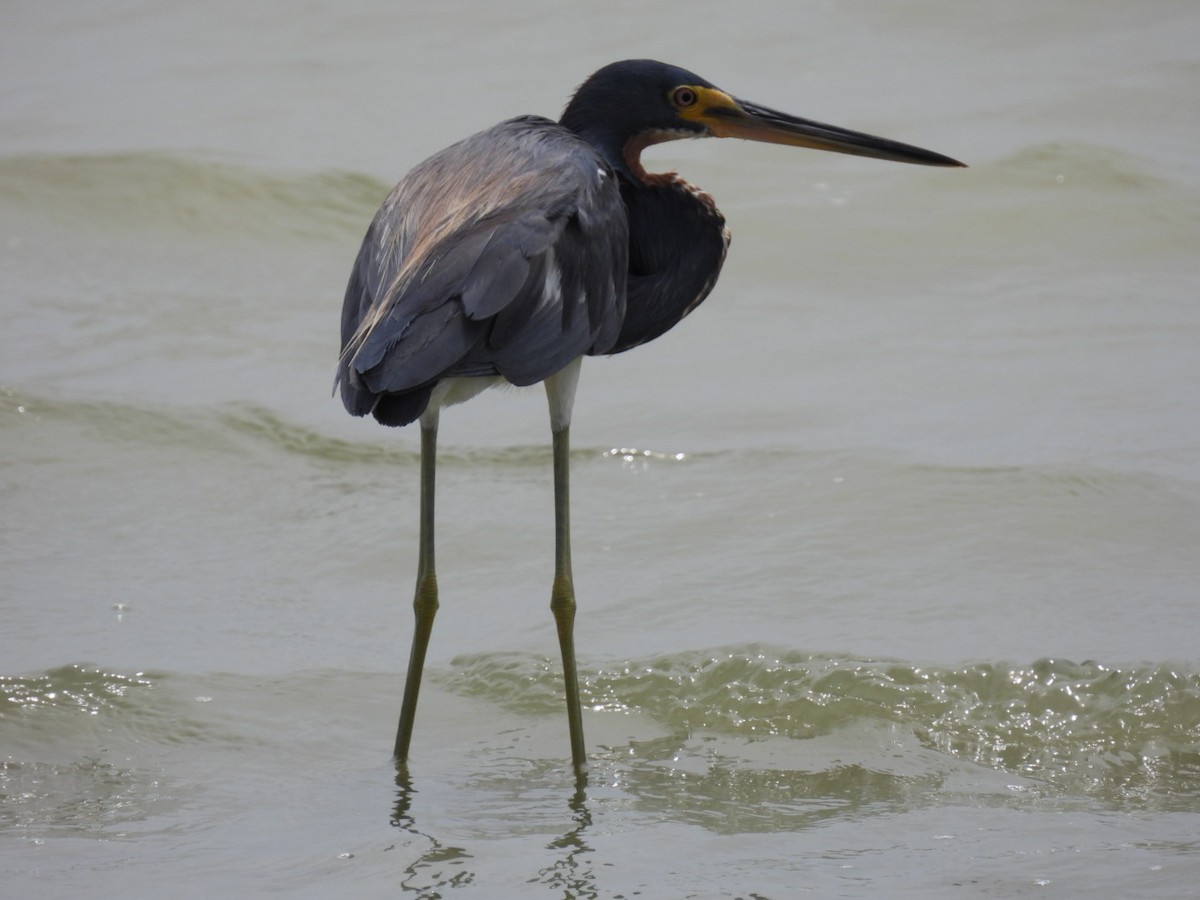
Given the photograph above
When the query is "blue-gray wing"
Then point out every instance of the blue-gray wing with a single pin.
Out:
(505, 254)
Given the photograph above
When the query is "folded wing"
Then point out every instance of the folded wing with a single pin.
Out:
(505, 254)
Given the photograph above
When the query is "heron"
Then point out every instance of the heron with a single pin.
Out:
(511, 255)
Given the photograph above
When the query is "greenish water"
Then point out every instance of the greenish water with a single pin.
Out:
(885, 558)
(733, 743)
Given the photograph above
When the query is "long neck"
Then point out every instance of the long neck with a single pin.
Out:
(677, 244)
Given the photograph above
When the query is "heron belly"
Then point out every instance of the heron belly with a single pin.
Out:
(450, 391)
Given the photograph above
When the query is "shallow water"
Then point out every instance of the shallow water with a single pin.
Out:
(886, 557)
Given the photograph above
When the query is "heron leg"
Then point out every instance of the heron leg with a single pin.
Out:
(560, 391)
(425, 599)
(562, 596)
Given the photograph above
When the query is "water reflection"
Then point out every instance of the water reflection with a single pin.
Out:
(572, 871)
(441, 865)
(444, 865)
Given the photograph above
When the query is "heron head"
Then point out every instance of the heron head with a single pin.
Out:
(627, 106)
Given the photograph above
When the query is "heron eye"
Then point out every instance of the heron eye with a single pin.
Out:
(683, 97)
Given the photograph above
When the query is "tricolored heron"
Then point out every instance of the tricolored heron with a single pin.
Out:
(511, 255)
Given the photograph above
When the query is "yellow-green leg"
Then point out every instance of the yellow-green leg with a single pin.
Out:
(562, 595)
(425, 599)
(560, 392)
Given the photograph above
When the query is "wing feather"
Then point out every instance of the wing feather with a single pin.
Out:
(504, 254)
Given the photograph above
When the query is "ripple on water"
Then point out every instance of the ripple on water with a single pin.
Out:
(1128, 734)
(87, 793)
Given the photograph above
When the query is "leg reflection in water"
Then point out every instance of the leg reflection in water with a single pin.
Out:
(447, 864)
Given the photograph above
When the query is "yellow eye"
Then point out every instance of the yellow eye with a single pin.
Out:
(683, 97)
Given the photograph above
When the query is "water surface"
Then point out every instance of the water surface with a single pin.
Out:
(886, 557)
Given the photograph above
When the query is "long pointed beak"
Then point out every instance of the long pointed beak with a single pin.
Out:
(729, 117)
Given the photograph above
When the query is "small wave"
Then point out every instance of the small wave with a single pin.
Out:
(1035, 198)
(1079, 164)
(264, 425)
(79, 699)
(190, 195)
(1114, 732)
(87, 794)
(76, 687)
(65, 773)
(230, 427)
